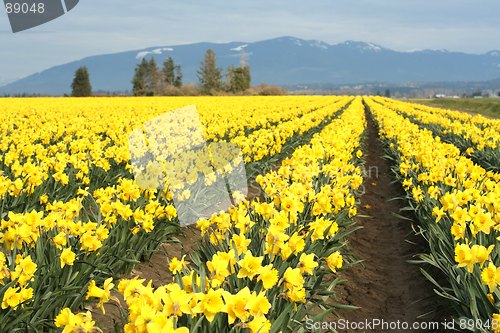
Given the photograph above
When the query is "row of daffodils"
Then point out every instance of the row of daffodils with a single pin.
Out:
(71, 212)
(262, 266)
(457, 204)
(477, 136)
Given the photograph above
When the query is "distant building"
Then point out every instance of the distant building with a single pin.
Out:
(439, 96)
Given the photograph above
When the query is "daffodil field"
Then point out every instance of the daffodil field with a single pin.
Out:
(74, 218)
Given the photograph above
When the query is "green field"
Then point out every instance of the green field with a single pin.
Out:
(485, 106)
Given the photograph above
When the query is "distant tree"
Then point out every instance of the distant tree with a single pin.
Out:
(139, 80)
(242, 74)
(229, 75)
(210, 75)
(238, 79)
(378, 93)
(152, 78)
(172, 74)
(81, 83)
(178, 76)
(242, 78)
(387, 93)
(168, 71)
(478, 92)
(498, 94)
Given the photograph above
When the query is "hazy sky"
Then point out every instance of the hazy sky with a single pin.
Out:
(107, 26)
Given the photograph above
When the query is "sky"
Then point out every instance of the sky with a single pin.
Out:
(97, 27)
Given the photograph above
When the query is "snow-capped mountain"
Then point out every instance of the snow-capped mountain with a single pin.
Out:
(282, 61)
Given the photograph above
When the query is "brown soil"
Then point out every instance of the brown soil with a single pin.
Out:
(388, 287)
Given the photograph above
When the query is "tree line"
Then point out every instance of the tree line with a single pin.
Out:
(150, 80)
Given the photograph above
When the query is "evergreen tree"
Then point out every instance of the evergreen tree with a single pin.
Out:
(139, 80)
(178, 76)
(238, 79)
(172, 74)
(153, 78)
(230, 80)
(169, 71)
(81, 83)
(243, 74)
(210, 75)
(387, 93)
(242, 78)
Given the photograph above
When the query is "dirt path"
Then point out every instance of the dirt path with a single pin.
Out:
(388, 287)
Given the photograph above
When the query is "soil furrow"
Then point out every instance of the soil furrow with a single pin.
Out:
(388, 288)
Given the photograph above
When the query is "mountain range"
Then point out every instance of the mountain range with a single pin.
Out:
(280, 61)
